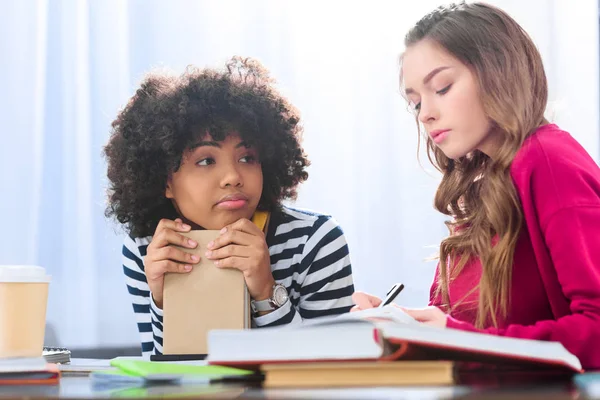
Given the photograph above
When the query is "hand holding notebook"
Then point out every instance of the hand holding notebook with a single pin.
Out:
(242, 246)
(166, 254)
(208, 297)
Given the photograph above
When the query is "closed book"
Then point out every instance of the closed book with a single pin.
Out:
(347, 374)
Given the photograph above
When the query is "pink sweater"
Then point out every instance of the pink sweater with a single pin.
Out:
(555, 292)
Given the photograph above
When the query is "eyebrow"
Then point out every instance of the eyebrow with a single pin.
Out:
(428, 77)
(212, 143)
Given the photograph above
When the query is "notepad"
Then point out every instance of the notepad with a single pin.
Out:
(57, 355)
(27, 371)
(206, 298)
(132, 371)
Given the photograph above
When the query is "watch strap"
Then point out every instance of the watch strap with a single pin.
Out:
(262, 305)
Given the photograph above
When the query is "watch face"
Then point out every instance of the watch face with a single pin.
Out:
(280, 295)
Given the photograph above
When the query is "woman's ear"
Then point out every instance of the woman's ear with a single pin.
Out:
(168, 190)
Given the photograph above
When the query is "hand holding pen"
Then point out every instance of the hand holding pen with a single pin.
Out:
(365, 301)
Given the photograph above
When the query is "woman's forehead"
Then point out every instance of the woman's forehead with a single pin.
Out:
(423, 57)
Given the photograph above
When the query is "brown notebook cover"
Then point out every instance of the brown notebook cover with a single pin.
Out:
(208, 297)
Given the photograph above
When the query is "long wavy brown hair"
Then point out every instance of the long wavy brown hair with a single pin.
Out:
(476, 191)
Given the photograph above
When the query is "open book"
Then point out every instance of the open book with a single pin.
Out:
(378, 334)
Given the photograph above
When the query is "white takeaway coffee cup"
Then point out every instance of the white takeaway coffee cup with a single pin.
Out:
(23, 301)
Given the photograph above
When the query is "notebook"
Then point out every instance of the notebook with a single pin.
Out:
(27, 371)
(378, 373)
(384, 334)
(148, 372)
(206, 298)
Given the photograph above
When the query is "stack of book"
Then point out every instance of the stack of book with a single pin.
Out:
(382, 346)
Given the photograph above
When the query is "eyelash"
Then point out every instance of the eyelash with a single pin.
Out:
(250, 158)
(441, 92)
(210, 160)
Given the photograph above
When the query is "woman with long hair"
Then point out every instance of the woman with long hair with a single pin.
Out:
(522, 258)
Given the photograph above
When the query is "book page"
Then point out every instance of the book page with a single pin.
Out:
(385, 314)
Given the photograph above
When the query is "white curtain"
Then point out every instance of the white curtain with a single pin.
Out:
(67, 66)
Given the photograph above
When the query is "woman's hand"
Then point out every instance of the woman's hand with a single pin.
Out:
(432, 316)
(242, 246)
(364, 301)
(163, 257)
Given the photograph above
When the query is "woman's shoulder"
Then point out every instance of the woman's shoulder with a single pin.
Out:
(304, 214)
(292, 221)
(553, 172)
(136, 245)
(550, 147)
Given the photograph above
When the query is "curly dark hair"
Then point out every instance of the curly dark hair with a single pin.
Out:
(167, 113)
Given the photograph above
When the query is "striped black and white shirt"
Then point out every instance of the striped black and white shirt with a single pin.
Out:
(309, 255)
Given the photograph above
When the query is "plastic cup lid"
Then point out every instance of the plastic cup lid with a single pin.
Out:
(23, 273)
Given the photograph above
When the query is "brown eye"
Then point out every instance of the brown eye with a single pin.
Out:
(249, 159)
(205, 162)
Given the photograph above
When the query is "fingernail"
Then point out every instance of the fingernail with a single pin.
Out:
(216, 262)
(208, 254)
(210, 245)
(195, 258)
(185, 226)
(223, 230)
(192, 243)
(188, 267)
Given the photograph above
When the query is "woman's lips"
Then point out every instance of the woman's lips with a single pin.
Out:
(439, 135)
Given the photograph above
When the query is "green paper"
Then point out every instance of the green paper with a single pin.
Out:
(149, 368)
(195, 391)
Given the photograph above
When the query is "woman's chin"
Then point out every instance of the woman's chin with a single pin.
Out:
(224, 219)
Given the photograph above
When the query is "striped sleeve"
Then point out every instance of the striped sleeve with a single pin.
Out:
(327, 287)
(321, 281)
(147, 315)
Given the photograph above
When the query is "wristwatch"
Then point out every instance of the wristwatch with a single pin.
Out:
(277, 299)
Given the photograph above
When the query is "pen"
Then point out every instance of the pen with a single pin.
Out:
(391, 295)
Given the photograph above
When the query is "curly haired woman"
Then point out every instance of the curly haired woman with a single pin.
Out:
(205, 150)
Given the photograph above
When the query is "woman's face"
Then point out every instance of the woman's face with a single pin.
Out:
(217, 182)
(444, 93)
